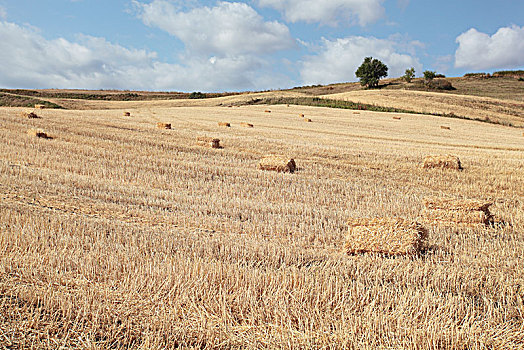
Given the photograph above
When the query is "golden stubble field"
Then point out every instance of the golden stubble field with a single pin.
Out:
(116, 234)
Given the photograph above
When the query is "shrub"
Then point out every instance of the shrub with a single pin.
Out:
(370, 72)
(197, 94)
(440, 84)
(429, 75)
(409, 75)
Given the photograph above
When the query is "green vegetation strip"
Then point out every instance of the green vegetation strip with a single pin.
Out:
(8, 100)
(321, 102)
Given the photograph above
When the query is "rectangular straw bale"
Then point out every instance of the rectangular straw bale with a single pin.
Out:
(307, 120)
(227, 125)
(127, 114)
(163, 125)
(37, 133)
(445, 127)
(39, 106)
(456, 216)
(442, 161)
(302, 115)
(267, 111)
(456, 204)
(30, 115)
(208, 142)
(246, 125)
(277, 163)
(392, 236)
(397, 118)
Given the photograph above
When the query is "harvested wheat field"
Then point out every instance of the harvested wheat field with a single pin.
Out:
(120, 235)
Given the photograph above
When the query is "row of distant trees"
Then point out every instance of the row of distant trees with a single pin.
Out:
(372, 70)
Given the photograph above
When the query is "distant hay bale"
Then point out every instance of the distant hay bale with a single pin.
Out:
(127, 114)
(391, 236)
(307, 120)
(460, 212)
(277, 163)
(455, 204)
(267, 111)
(445, 127)
(442, 161)
(246, 125)
(356, 112)
(397, 118)
(163, 125)
(302, 115)
(227, 125)
(30, 115)
(208, 142)
(37, 133)
(39, 106)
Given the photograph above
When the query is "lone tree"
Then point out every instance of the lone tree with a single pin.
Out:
(370, 72)
(429, 75)
(409, 75)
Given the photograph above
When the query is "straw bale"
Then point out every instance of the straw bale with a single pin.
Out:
(456, 204)
(392, 236)
(208, 142)
(246, 125)
(442, 161)
(227, 125)
(457, 216)
(307, 120)
(277, 163)
(30, 115)
(445, 127)
(37, 133)
(127, 114)
(302, 115)
(163, 125)
(267, 111)
(39, 106)
(397, 118)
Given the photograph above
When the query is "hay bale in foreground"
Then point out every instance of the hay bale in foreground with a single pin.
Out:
(227, 125)
(391, 236)
(30, 115)
(37, 133)
(246, 125)
(39, 106)
(163, 125)
(208, 142)
(127, 114)
(445, 127)
(277, 163)
(442, 161)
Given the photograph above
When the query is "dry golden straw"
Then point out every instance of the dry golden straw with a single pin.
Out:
(208, 142)
(163, 125)
(39, 106)
(227, 125)
(391, 236)
(442, 161)
(37, 133)
(456, 216)
(277, 163)
(445, 127)
(246, 125)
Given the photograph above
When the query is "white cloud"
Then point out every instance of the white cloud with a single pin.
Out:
(338, 60)
(504, 49)
(29, 60)
(226, 29)
(328, 12)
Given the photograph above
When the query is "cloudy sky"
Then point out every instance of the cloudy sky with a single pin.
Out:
(207, 45)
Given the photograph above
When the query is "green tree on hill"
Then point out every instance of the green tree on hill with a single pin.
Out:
(370, 72)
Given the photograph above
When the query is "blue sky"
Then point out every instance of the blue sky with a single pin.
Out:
(204, 45)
